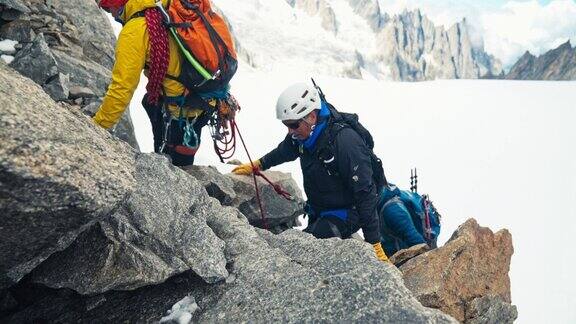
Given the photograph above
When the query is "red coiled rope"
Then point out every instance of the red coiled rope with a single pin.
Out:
(159, 54)
(226, 146)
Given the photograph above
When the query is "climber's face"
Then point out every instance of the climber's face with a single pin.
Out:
(301, 129)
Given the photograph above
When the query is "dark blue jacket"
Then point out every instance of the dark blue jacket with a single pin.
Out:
(351, 187)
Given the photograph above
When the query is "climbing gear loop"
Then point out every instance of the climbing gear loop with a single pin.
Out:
(222, 127)
(190, 137)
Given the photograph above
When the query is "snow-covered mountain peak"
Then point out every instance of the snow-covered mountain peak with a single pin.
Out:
(352, 38)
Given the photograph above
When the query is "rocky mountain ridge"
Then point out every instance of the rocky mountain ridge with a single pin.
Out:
(404, 47)
(67, 49)
(556, 64)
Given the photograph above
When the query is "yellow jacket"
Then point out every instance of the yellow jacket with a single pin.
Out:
(132, 53)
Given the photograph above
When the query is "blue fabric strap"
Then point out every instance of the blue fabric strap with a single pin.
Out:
(217, 94)
(340, 213)
(320, 126)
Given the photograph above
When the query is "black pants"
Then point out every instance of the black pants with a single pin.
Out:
(175, 137)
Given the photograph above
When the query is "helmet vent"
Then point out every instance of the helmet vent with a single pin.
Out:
(293, 106)
(301, 110)
(305, 94)
(312, 99)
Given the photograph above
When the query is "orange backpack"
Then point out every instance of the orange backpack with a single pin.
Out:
(203, 34)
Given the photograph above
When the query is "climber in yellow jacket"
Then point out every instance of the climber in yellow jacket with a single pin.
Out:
(142, 46)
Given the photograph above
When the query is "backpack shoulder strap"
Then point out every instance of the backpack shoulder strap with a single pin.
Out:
(141, 13)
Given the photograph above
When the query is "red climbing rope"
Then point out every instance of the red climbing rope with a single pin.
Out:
(276, 186)
(254, 168)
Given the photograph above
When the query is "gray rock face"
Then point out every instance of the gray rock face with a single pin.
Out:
(57, 87)
(491, 310)
(15, 5)
(81, 92)
(19, 30)
(83, 73)
(68, 172)
(370, 10)
(122, 130)
(77, 40)
(320, 8)
(156, 232)
(7, 302)
(94, 30)
(144, 305)
(217, 185)
(85, 213)
(10, 10)
(417, 50)
(556, 64)
(280, 212)
(262, 287)
(36, 61)
(238, 191)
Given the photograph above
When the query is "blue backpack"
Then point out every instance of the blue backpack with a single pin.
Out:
(424, 215)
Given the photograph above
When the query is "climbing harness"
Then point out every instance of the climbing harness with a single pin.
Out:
(167, 120)
(190, 138)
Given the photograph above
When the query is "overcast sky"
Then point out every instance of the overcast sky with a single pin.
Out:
(508, 28)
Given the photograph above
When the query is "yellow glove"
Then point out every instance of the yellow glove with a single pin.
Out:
(380, 255)
(246, 168)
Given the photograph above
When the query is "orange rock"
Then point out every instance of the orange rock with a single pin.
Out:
(474, 263)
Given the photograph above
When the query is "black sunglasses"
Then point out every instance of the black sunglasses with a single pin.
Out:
(292, 125)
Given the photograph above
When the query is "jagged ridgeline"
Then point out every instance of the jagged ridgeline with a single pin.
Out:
(556, 64)
(66, 47)
(355, 37)
(404, 47)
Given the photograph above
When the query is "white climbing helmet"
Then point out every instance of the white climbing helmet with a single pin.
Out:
(297, 101)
